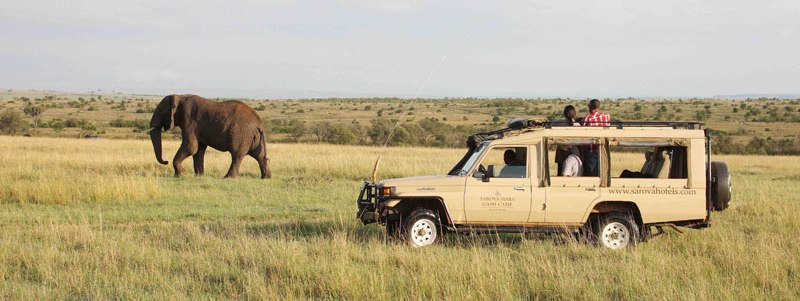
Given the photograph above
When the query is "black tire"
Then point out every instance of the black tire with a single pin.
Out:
(422, 228)
(616, 230)
(720, 186)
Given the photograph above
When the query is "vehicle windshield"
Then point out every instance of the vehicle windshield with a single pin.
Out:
(462, 171)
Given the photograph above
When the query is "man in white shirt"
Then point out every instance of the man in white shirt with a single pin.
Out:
(573, 166)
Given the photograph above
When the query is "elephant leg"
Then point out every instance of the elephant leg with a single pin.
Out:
(188, 148)
(236, 160)
(176, 162)
(198, 158)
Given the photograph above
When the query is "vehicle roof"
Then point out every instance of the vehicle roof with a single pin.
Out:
(528, 134)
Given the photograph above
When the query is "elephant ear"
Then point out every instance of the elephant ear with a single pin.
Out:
(175, 102)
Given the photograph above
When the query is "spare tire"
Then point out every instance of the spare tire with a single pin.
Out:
(720, 186)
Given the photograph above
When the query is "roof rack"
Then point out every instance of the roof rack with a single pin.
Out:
(513, 124)
(522, 123)
(691, 125)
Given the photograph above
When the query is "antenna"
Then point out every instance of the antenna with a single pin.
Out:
(375, 169)
(411, 102)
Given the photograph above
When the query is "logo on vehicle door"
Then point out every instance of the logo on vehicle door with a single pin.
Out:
(497, 201)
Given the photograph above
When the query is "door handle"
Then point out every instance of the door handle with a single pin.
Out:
(519, 188)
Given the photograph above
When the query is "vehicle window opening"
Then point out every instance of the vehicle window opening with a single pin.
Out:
(655, 162)
(505, 162)
(578, 158)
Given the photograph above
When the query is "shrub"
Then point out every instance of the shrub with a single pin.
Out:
(12, 122)
(138, 124)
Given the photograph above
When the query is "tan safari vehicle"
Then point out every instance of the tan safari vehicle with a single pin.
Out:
(647, 174)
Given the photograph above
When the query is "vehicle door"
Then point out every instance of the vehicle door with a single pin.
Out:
(499, 190)
(567, 197)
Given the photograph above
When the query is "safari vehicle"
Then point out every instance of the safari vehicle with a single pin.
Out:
(674, 183)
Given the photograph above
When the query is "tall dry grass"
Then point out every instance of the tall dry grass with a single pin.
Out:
(84, 219)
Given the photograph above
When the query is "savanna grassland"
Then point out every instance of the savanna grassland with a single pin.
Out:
(100, 219)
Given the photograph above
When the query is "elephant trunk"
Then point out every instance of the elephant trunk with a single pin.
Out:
(155, 137)
(156, 123)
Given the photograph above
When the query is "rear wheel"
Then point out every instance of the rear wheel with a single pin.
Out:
(720, 186)
(616, 231)
(422, 228)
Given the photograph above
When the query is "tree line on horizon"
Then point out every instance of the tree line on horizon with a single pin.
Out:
(428, 131)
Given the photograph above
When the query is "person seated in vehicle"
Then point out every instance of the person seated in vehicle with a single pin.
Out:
(515, 167)
(573, 165)
(569, 120)
(646, 167)
(562, 152)
(510, 157)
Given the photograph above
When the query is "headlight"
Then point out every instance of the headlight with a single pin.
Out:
(387, 191)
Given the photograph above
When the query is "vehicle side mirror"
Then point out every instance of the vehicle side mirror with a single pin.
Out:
(481, 175)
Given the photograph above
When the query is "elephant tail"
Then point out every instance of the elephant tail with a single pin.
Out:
(262, 144)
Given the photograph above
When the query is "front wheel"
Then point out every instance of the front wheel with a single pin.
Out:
(616, 231)
(422, 228)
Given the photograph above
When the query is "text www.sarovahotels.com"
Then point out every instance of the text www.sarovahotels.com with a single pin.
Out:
(652, 191)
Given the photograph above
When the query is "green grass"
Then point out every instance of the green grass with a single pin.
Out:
(88, 219)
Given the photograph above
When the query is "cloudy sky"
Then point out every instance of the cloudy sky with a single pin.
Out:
(287, 49)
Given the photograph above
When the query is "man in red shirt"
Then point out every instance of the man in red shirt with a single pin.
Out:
(595, 118)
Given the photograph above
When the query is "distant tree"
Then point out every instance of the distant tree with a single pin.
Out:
(88, 126)
(340, 134)
(57, 125)
(35, 113)
(12, 122)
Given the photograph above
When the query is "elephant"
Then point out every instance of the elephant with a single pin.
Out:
(228, 126)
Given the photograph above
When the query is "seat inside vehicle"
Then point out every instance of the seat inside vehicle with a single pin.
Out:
(663, 164)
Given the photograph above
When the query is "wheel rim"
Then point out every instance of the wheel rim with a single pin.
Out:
(423, 232)
(616, 235)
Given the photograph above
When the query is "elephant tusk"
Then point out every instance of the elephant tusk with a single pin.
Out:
(150, 130)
